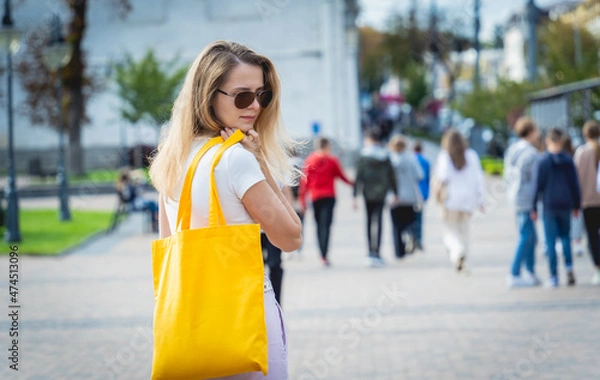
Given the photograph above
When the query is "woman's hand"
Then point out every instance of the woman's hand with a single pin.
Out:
(251, 142)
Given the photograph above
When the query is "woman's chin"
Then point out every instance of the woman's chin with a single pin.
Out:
(245, 127)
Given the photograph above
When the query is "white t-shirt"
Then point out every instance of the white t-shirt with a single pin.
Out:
(466, 187)
(237, 171)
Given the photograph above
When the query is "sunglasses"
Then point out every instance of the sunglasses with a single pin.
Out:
(243, 99)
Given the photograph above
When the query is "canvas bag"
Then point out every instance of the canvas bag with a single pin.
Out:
(209, 318)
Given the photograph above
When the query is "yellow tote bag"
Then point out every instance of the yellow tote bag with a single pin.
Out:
(209, 318)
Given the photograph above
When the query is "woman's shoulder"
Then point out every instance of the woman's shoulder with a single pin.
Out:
(238, 154)
(472, 152)
(584, 148)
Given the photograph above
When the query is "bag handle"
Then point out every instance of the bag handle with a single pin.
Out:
(215, 212)
(184, 211)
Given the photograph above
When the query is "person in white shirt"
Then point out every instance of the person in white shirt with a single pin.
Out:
(231, 87)
(461, 190)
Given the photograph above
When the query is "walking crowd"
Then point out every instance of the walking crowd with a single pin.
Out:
(399, 176)
(545, 182)
(546, 179)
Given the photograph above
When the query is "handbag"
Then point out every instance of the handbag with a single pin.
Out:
(209, 317)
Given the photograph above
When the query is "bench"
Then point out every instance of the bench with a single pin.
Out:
(36, 169)
(123, 210)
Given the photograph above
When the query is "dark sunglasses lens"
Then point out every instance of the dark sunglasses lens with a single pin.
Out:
(243, 99)
(265, 98)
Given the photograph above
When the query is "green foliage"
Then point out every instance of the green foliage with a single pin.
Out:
(44, 234)
(371, 59)
(148, 88)
(492, 166)
(402, 47)
(558, 55)
(417, 90)
(496, 107)
(404, 44)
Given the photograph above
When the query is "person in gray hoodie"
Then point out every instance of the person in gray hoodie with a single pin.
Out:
(408, 174)
(520, 175)
(374, 179)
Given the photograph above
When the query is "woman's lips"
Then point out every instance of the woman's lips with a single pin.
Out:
(248, 117)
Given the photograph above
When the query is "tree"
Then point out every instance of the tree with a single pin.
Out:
(148, 88)
(568, 52)
(417, 89)
(497, 108)
(371, 59)
(79, 85)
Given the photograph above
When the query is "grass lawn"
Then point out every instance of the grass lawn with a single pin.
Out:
(493, 166)
(43, 234)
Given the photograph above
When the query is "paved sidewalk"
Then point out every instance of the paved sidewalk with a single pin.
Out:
(87, 315)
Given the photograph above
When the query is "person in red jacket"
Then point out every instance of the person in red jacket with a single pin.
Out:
(321, 169)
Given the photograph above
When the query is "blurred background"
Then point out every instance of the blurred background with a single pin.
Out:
(87, 86)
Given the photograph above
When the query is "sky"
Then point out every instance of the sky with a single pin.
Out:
(493, 12)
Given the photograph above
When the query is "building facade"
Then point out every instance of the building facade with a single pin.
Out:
(313, 44)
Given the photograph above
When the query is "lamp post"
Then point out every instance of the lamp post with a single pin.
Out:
(55, 56)
(532, 20)
(9, 40)
(477, 25)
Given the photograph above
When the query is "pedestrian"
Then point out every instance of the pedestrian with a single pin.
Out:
(460, 188)
(520, 174)
(558, 187)
(130, 195)
(416, 228)
(374, 180)
(576, 221)
(587, 158)
(230, 87)
(408, 173)
(321, 169)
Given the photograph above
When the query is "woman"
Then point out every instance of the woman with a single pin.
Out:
(408, 173)
(461, 189)
(587, 158)
(231, 87)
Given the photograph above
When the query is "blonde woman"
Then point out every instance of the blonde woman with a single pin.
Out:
(231, 87)
(458, 171)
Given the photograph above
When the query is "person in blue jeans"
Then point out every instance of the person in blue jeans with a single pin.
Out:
(520, 175)
(558, 186)
(417, 226)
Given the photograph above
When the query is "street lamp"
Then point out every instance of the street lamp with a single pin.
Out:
(55, 56)
(9, 41)
(533, 15)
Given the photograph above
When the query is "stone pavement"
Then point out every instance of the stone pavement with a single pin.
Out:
(87, 315)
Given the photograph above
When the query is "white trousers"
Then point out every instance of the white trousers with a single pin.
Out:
(456, 233)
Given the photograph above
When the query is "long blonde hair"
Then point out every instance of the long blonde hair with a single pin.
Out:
(456, 146)
(193, 116)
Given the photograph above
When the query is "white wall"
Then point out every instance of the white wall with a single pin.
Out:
(305, 39)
